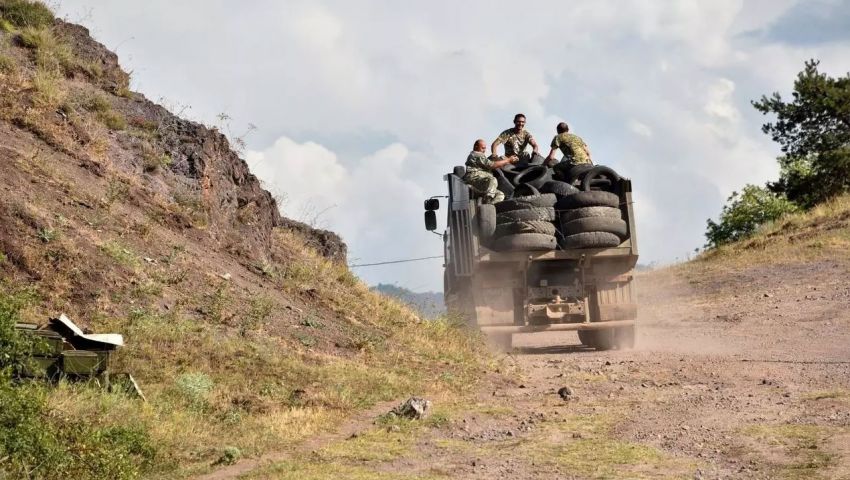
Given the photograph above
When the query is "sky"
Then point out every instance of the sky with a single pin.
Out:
(352, 112)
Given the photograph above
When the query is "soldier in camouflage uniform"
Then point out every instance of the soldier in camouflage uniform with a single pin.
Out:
(572, 146)
(478, 172)
(516, 140)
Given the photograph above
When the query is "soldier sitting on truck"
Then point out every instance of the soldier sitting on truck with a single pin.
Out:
(478, 172)
(572, 146)
(516, 140)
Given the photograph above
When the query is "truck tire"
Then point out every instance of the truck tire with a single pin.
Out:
(588, 199)
(486, 222)
(608, 339)
(525, 190)
(596, 173)
(518, 203)
(535, 176)
(459, 170)
(524, 242)
(616, 226)
(561, 189)
(504, 185)
(590, 212)
(571, 172)
(591, 240)
(530, 226)
(535, 213)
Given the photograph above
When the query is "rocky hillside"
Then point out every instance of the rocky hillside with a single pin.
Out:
(245, 330)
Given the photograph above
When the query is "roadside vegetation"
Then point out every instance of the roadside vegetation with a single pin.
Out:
(814, 135)
(232, 366)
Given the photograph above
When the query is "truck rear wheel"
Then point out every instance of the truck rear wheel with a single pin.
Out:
(609, 338)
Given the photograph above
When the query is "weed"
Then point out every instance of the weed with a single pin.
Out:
(803, 442)
(151, 162)
(113, 120)
(194, 387)
(7, 64)
(306, 340)
(49, 91)
(47, 235)
(827, 394)
(229, 456)
(216, 304)
(120, 254)
(97, 103)
(26, 13)
(116, 190)
(51, 53)
(6, 26)
(311, 321)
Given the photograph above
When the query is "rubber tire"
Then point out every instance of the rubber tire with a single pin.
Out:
(530, 226)
(535, 213)
(598, 172)
(536, 159)
(519, 203)
(523, 242)
(572, 172)
(486, 222)
(525, 190)
(504, 184)
(588, 199)
(616, 226)
(590, 212)
(591, 240)
(608, 339)
(561, 189)
(535, 176)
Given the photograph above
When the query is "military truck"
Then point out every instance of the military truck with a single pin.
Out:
(529, 283)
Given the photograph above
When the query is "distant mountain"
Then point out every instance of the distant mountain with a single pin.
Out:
(429, 304)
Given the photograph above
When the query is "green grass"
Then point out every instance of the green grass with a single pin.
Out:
(804, 445)
(25, 13)
(298, 470)
(120, 253)
(7, 64)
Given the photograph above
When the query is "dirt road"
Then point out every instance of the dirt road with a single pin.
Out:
(734, 376)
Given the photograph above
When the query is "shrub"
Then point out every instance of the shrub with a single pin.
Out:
(49, 91)
(7, 64)
(113, 120)
(51, 53)
(744, 213)
(24, 13)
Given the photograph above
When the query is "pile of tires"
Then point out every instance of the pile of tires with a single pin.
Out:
(566, 206)
(591, 219)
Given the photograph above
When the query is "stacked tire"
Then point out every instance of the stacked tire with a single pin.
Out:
(591, 219)
(525, 223)
(568, 206)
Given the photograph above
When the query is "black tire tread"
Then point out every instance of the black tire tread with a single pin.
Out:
(534, 213)
(525, 242)
(518, 203)
(588, 199)
(616, 226)
(528, 226)
(591, 240)
(590, 212)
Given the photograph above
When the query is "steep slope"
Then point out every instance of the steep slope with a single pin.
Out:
(245, 330)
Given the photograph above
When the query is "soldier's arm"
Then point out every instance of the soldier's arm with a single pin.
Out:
(533, 142)
(495, 145)
(497, 164)
(551, 157)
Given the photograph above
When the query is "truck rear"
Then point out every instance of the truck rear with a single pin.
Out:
(505, 277)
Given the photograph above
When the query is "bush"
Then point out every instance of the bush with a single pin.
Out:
(744, 213)
(38, 443)
(24, 13)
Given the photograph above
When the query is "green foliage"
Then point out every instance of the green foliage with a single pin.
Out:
(24, 13)
(814, 132)
(744, 213)
(38, 443)
(7, 64)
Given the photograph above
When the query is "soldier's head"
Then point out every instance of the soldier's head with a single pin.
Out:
(519, 121)
(479, 146)
(563, 127)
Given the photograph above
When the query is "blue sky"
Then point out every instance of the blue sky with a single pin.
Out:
(360, 107)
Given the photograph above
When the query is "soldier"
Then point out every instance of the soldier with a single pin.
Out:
(516, 140)
(478, 172)
(572, 146)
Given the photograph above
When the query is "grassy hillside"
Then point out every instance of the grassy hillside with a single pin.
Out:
(245, 330)
(822, 232)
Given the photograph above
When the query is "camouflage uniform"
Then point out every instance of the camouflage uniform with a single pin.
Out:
(573, 148)
(515, 143)
(478, 176)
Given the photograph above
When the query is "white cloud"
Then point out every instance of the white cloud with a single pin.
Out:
(385, 97)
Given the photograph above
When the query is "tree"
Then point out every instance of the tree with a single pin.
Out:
(744, 213)
(813, 131)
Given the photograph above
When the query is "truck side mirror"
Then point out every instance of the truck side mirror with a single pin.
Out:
(430, 220)
(432, 204)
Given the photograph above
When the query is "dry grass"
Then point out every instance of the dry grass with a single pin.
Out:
(823, 232)
(804, 444)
